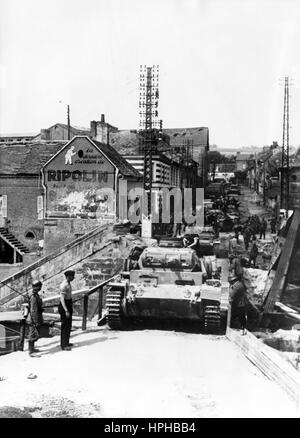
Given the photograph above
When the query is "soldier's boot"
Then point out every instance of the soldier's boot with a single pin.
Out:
(32, 351)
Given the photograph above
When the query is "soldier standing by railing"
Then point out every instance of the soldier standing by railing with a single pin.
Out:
(65, 309)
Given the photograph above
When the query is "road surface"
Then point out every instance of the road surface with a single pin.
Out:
(143, 373)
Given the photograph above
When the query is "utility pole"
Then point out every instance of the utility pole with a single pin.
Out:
(255, 172)
(285, 156)
(264, 184)
(148, 103)
(69, 125)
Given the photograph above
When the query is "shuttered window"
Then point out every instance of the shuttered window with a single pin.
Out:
(3, 205)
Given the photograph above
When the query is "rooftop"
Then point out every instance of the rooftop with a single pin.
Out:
(29, 157)
(26, 158)
(124, 167)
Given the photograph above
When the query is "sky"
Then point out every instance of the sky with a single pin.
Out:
(220, 62)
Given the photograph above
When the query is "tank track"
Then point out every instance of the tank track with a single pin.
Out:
(212, 319)
(113, 306)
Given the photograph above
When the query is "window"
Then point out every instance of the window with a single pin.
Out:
(3, 205)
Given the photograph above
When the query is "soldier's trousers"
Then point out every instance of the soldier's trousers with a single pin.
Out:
(66, 323)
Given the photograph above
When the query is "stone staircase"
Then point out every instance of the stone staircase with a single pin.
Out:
(12, 241)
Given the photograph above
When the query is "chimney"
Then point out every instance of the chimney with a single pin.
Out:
(93, 128)
(102, 118)
(45, 134)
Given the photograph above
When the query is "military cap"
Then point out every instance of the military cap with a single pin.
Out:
(70, 272)
(37, 283)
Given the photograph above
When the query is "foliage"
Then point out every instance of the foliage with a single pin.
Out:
(215, 157)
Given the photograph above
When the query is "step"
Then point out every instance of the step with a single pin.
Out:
(14, 241)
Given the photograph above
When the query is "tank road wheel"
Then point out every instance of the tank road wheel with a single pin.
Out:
(114, 309)
(212, 319)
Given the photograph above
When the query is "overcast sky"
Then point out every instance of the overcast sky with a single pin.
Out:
(220, 64)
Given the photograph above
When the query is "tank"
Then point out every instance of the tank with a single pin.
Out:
(165, 283)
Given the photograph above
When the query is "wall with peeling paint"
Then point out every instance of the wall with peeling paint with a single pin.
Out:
(80, 183)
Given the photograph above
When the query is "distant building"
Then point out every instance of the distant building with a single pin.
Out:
(16, 138)
(171, 166)
(242, 161)
(229, 151)
(60, 131)
(101, 130)
(198, 140)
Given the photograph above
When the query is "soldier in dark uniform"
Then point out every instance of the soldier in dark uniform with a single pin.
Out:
(253, 252)
(35, 317)
(239, 302)
(263, 228)
(273, 225)
(247, 237)
(235, 266)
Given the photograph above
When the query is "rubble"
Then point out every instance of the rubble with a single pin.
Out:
(287, 342)
(255, 280)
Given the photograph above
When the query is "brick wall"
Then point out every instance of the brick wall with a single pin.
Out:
(22, 213)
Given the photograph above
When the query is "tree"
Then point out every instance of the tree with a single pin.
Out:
(215, 157)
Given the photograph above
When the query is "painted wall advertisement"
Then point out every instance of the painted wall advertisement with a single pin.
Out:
(80, 183)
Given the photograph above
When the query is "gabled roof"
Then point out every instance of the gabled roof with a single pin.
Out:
(124, 167)
(75, 130)
(29, 158)
(109, 152)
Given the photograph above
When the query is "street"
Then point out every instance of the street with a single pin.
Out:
(140, 374)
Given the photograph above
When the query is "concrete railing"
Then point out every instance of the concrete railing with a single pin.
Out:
(53, 264)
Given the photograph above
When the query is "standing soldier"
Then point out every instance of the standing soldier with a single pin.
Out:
(35, 317)
(236, 267)
(263, 227)
(216, 225)
(65, 309)
(247, 236)
(238, 301)
(273, 225)
(253, 253)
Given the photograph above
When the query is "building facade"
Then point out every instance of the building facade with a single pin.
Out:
(52, 192)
